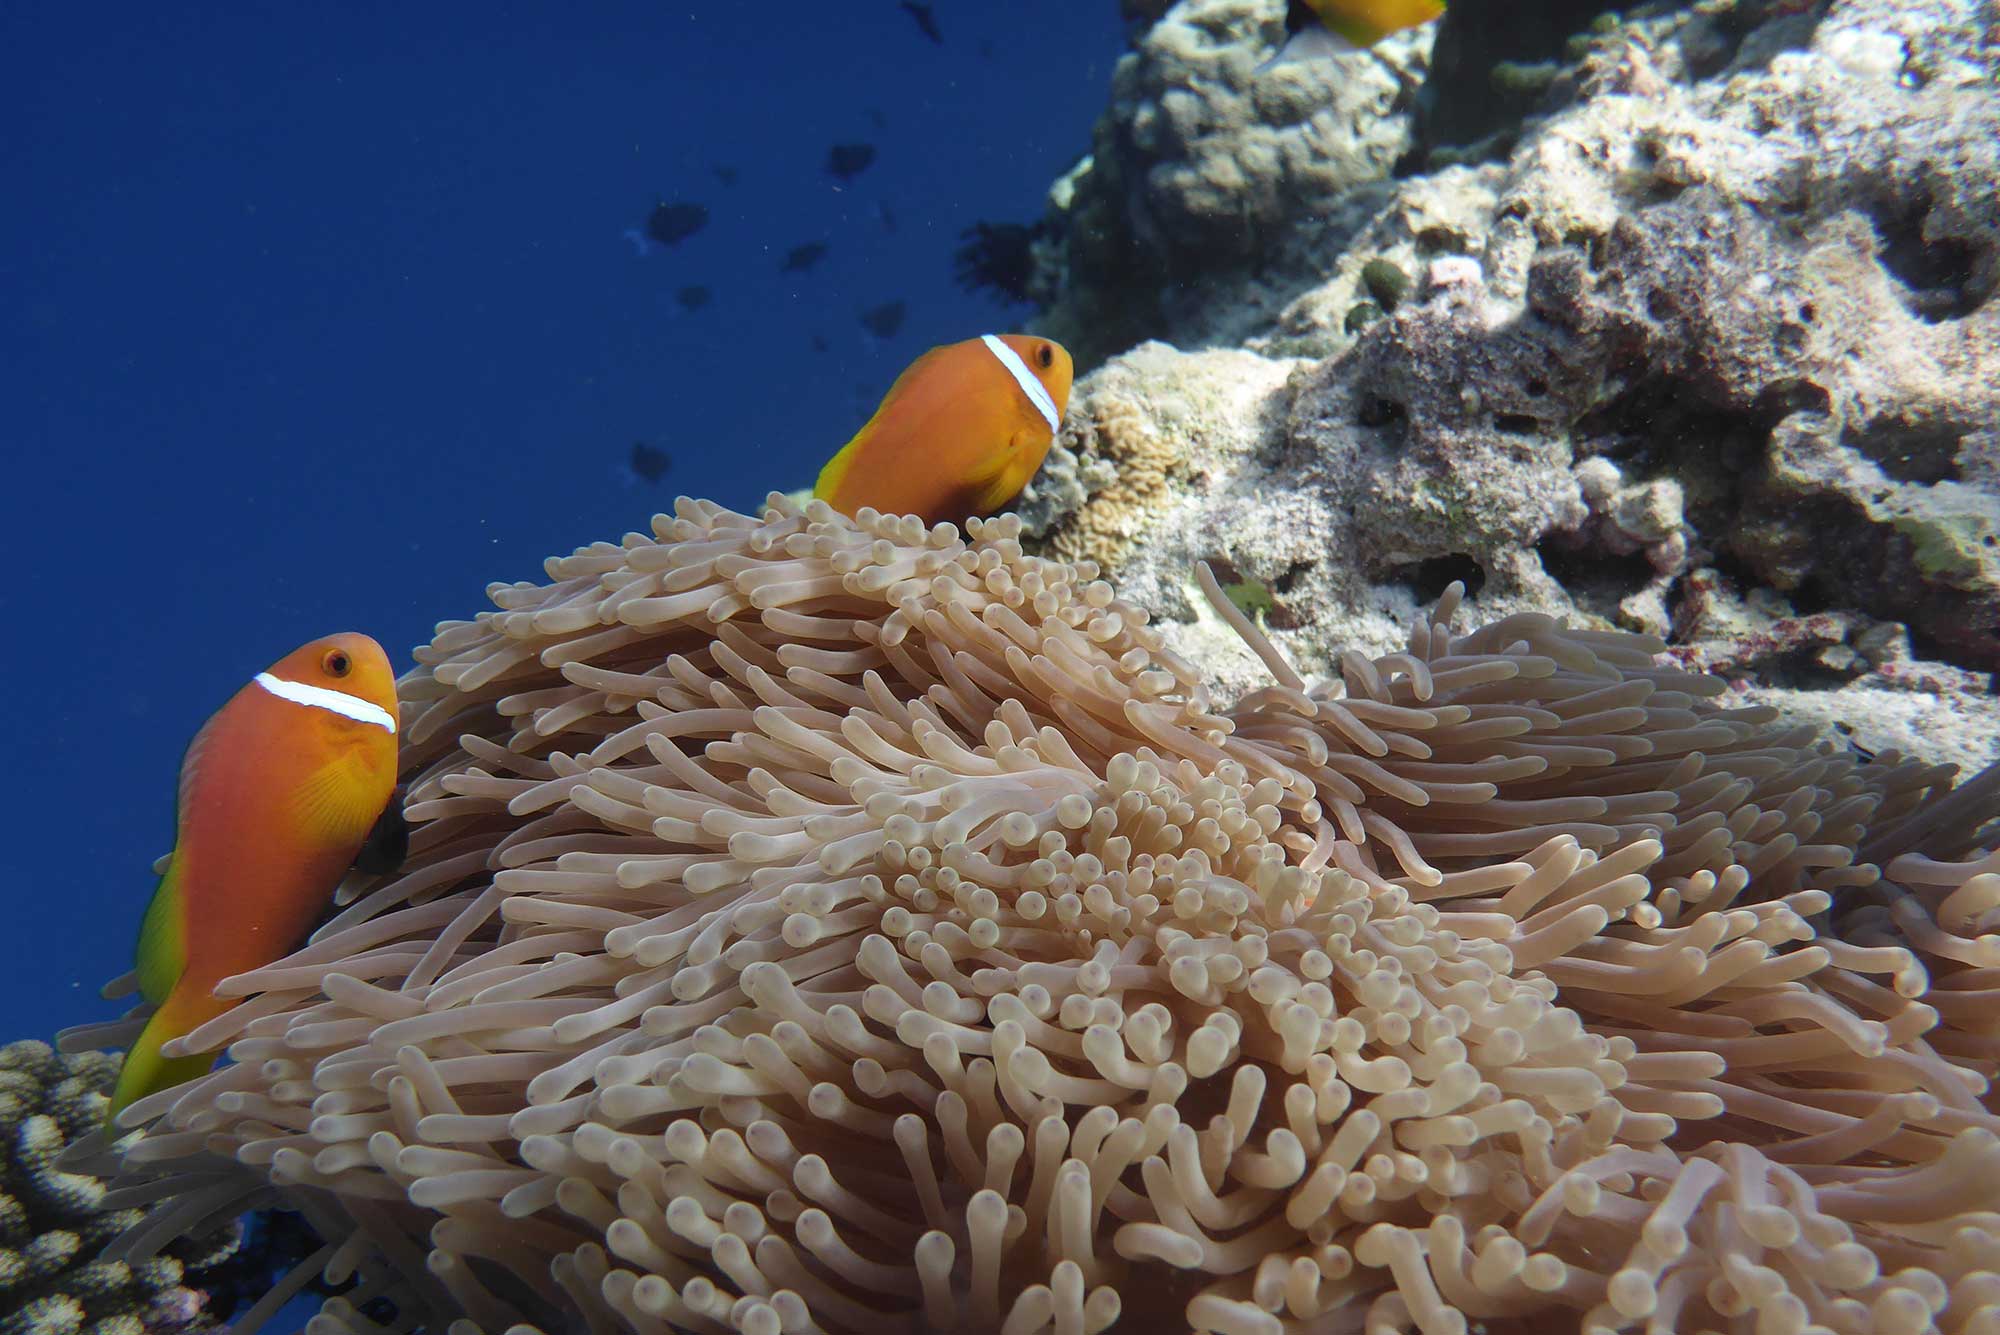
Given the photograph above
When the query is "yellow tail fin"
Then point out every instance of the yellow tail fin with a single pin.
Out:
(145, 1071)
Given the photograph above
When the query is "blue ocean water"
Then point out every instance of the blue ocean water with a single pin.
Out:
(322, 319)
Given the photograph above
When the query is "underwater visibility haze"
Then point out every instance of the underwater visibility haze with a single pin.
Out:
(1228, 665)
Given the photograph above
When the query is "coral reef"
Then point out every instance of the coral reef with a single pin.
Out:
(1464, 102)
(1151, 418)
(1204, 170)
(54, 1224)
(815, 924)
(1726, 308)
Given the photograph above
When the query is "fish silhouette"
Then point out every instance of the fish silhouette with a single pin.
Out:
(925, 20)
(803, 257)
(847, 161)
(650, 462)
(886, 320)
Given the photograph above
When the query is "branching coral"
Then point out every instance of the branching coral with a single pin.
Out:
(54, 1224)
(846, 927)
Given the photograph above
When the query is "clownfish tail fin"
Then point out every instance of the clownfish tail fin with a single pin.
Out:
(145, 1070)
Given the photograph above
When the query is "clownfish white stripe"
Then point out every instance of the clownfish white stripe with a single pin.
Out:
(1037, 392)
(338, 702)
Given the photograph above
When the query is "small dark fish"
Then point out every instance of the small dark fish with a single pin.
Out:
(724, 173)
(878, 118)
(650, 462)
(671, 224)
(884, 216)
(886, 320)
(847, 161)
(999, 257)
(924, 19)
(985, 48)
(693, 297)
(803, 257)
(819, 343)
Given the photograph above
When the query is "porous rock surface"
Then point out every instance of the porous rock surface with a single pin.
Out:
(1712, 355)
(1205, 173)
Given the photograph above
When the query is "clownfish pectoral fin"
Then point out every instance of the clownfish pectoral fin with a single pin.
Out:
(388, 843)
(994, 487)
(335, 804)
(162, 949)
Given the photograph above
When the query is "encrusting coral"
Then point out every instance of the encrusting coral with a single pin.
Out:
(815, 925)
(54, 1224)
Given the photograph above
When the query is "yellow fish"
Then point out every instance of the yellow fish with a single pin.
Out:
(1327, 27)
(959, 433)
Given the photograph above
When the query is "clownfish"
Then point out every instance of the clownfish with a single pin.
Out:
(959, 433)
(1332, 27)
(284, 788)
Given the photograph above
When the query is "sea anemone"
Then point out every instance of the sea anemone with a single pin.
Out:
(847, 926)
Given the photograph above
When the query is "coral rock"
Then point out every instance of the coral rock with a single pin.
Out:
(1744, 261)
(53, 1224)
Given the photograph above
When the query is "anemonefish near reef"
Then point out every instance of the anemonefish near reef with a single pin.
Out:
(959, 434)
(1330, 27)
(285, 787)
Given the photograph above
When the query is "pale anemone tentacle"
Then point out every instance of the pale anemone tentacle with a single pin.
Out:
(853, 926)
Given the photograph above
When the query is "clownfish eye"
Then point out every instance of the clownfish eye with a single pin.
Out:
(336, 663)
(1045, 356)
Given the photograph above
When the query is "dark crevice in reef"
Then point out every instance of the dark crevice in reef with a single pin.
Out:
(1939, 274)
(1461, 101)
(1662, 423)
(1922, 451)
(1590, 574)
(1801, 669)
(1728, 30)
(1431, 576)
(1497, 64)
(1378, 410)
(1778, 540)
(1926, 647)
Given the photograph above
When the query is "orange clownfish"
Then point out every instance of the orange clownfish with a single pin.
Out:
(1334, 27)
(283, 789)
(959, 433)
